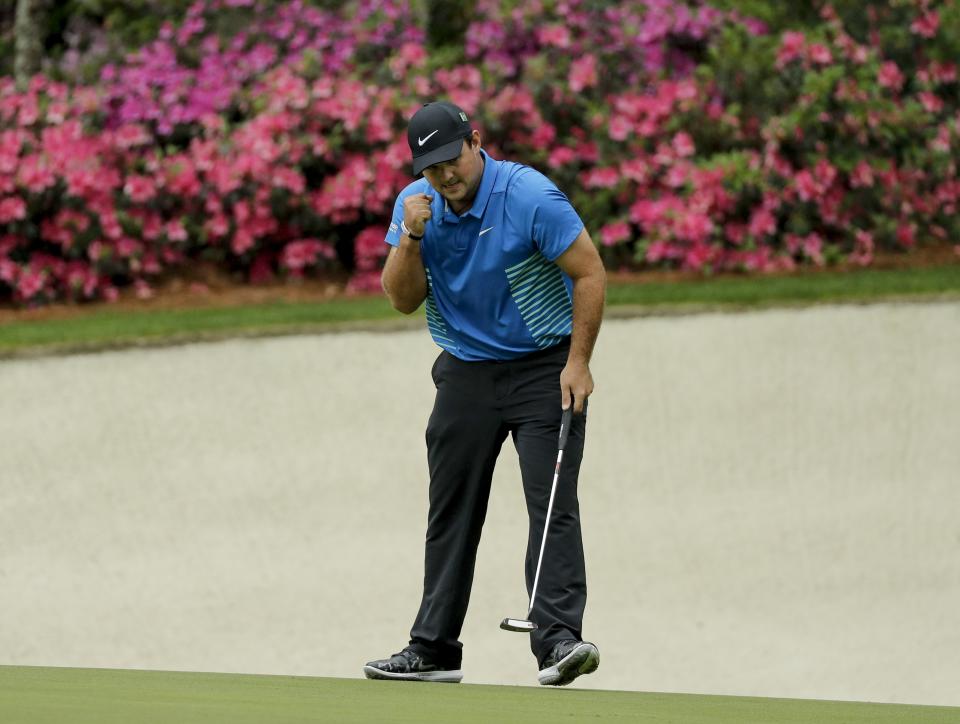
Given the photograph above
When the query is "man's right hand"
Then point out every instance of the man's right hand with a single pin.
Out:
(416, 211)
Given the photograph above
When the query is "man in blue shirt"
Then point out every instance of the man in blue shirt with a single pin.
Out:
(514, 293)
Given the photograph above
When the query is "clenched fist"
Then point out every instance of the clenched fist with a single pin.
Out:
(416, 211)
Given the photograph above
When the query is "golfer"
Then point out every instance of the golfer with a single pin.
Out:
(514, 292)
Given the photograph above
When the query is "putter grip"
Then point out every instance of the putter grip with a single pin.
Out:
(565, 426)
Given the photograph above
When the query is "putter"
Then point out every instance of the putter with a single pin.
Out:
(525, 625)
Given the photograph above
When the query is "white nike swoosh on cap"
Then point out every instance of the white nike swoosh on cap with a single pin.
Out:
(485, 231)
(422, 141)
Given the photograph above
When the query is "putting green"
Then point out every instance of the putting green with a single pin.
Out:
(33, 695)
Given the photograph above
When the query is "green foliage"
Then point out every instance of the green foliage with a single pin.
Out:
(447, 22)
(739, 64)
(777, 15)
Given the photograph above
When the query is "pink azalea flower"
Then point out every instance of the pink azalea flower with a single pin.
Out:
(931, 102)
(368, 248)
(543, 136)
(30, 284)
(829, 206)
(289, 179)
(683, 144)
(414, 54)
(649, 212)
(944, 72)
(601, 178)
(694, 227)
(813, 248)
(825, 172)
(57, 112)
(299, 254)
(64, 228)
(8, 242)
(890, 76)
(217, 226)
(175, 231)
(242, 242)
(762, 223)
(29, 110)
(35, 175)
(620, 127)
(791, 47)
(677, 175)
(140, 188)
(583, 73)
(131, 135)
(588, 152)
(127, 247)
(926, 25)
(806, 187)
(906, 234)
(561, 156)
(612, 234)
(142, 289)
(9, 271)
(241, 212)
(110, 225)
(697, 256)
(181, 178)
(753, 25)
(635, 169)
(941, 143)
(820, 54)
(555, 34)
(735, 232)
(12, 208)
(863, 251)
(97, 250)
(657, 251)
(151, 264)
(10, 145)
(862, 176)
(859, 54)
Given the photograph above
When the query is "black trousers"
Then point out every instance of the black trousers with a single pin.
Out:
(477, 405)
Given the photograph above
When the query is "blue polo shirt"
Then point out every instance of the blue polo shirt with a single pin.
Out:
(495, 292)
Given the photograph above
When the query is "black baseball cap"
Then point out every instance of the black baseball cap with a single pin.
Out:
(436, 133)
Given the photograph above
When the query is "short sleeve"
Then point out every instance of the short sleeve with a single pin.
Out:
(544, 212)
(393, 232)
(420, 186)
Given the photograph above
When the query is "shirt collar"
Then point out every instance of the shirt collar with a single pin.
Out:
(486, 186)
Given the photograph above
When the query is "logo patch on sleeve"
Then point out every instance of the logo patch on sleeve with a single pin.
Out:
(393, 227)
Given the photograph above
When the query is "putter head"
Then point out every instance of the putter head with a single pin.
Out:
(518, 624)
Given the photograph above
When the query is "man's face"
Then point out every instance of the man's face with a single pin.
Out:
(457, 180)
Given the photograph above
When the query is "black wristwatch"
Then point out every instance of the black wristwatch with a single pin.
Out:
(405, 230)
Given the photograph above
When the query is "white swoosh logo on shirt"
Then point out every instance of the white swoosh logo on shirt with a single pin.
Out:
(422, 141)
(489, 228)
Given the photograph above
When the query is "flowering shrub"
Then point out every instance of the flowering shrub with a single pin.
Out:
(851, 146)
(114, 186)
(268, 136)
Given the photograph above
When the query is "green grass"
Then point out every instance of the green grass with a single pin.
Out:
(31, 695)
(857, 286)
(103, 327)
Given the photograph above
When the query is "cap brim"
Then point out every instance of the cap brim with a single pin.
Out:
(446, 152)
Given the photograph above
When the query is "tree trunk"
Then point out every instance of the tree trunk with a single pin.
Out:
(28, 32)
